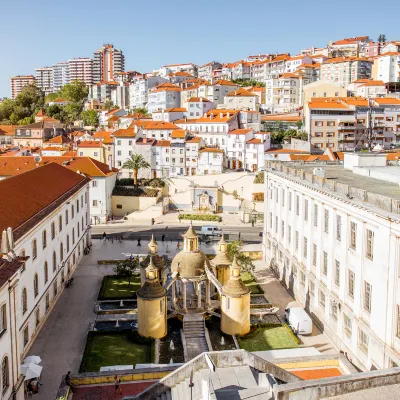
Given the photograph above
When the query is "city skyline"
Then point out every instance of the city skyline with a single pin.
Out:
(42, 49)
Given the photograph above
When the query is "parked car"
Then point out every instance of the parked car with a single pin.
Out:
(298, 320)
(211, 230)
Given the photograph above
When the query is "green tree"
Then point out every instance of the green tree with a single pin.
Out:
(26, 121)
(126, 268)
(75, 91)
(141, 110)
(71, 112)
(299, 124)
(6, 109)
(235, 249)
(90, 117)
(136, 162)
(382, 38)
(54, 111)
(31, 98)
(277, 137)
(108, 105)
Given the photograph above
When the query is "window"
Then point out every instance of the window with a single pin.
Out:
(72, 211)
(3, 318)
(337, 273)
(314, 257)
(66, 217)
(73, 235)
(283, 229)
(363, 340)
(302, 278)
(334, 310)
(60, 223)
(305, 248)
(367, 296)
(44, 239)
(37, 313)
(94, 183)
(305, 210)
(347, 324)
(55, 288)
(24, 301)
(321, 298)
(54, 261)
(35, 285)
(283, 195)
(62, 276)
(67, 243)
(290, 201)
(370, 244)
(351, 283)
(53, 230)
(94, 203)
(61, 252)
(34, 249)
(26, 336)
(325, 264)
(46, 272)
(270, 220)
(289, 234)
(315, 214)
(297, 240)
(5, 378)
(312, 288)
(276, 224)
(47, 301)
(353, 235)
(297, 205)
(338, 227)
(326, 224)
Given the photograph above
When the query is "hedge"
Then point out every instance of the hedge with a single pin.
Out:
(154, 182)
(259, 178)
(134, 192)
(200, 217)
(259, 196)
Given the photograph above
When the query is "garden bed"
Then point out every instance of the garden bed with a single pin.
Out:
(116, 288)
(175, 353)
(268, 337)
(250, 281)
(124, 348)
(200, 217)
(213, 324)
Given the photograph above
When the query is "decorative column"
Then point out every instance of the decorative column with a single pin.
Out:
(184, 296)
(208, 287)
(174, 295)
(199, 295)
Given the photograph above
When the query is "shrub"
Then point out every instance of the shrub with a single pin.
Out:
(134, 192)
(259, 196)
(200, 217)
(154, 182)
(259, 177)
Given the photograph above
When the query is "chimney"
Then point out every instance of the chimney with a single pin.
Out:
(221, 115)
(228, 115)
(144, 139)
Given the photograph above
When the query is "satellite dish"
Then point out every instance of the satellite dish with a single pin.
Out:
(38, 159)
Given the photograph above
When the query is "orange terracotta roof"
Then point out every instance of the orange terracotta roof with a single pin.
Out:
(210, 150)
(289, 75)
(281, 117)
(70, 153)
(8, 130)
(113, 111)
(254, 141)
(387, 101)
(361, 81)
(300, 57)
(193, 140)
(240, 132)
(393, 156)
(309, 374)
(101, 135)
(61, 139)
(166, 87)
(224, 82)
(390, 53)
(130, 132)
(280, 57)
(299, 157)
(178, 134)
(240, 93)
(49, 148)
(78, 133)
(40, 113)
(45, 185)
(163, 143)
(344, 59)
(326, 103)
(218, 116)
(154, 125)
(181, 73)
(114, 118)
(373, 83)
(355, 101)
(89, 144)
(108, 141)
(198, 100)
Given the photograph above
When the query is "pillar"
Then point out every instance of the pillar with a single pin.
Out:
(184, 296)
(174, 295)
(199, 295)
(208, 300)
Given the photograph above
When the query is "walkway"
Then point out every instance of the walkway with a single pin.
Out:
(62, 339)
(195, 336)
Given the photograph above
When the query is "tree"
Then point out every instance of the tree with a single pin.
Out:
(30, 98)
(75, 91)
(135, 163)
(235, 249)
(54, 111)
(71, 112)
(6, 109)
(382, 38)
(299, 124)
(140, 110)
(126, 268)
(108, 105)
(90, 117)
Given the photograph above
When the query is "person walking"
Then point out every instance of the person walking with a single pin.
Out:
(117, 382)
(104, 236)
(162, 237)
(153, 221)
(178, 246)
(252, 223)
(68, 381)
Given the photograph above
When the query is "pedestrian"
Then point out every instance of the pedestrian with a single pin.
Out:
(239, 235)
(131, 257)
(138, 242)
(120, 239)
(104, 235)
(117, 381)
(166, 229)
(252, 223)
(152, 221)
(162, 237)
(68, 381)
(178, 246)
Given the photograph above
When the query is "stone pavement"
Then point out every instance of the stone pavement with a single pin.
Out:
(62, 339)
(280, 297)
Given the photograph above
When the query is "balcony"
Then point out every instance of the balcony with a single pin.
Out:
(346, 127)
(346, 138)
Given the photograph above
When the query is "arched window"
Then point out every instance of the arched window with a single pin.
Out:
(36, 285)
(44, 239)
(46, 272)
(22, 253)
(24, 301)
(66, 217)
(73, 235)
(54, 261)
(53, 230)
(34, 249)
(5, 378)
(72, 211)
(67, 243)
(61, 252)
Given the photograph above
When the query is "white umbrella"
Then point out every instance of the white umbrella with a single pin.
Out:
(32, 359)
(31, 370)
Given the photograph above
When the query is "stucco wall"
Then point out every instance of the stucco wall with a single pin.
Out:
(236, 319)
(151, 321)
(130, 204)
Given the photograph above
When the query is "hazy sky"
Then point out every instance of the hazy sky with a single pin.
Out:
(41, 33)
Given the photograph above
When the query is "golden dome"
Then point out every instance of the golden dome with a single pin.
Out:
(189, 264)
(235, 286)
(221, 259)
(151, 288)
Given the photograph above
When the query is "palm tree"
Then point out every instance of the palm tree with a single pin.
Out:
(135, 163)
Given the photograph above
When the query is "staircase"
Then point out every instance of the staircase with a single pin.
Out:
(195, 335)
(165, 396)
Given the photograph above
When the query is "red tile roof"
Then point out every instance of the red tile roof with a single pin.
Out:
(130, 132)
(163, 143)
(178, 134)
(89, 144)
(240, 132)
(8, 130)
(309, 374)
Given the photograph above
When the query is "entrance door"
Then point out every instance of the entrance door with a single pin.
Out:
(193, 171)
(233, 164)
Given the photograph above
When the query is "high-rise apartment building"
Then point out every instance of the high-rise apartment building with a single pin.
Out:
(60, 75)
(107, 62)
(81, 69)
(44, 79)
(18, 82)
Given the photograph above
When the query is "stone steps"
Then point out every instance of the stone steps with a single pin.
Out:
(195, 336)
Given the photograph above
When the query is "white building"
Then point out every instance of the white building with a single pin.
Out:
(242, 99)
(332, 234)
(44, 79)
(51, 232)
(165, 70)
(206, 71)
(139, 89)
(211, 161)
(120, 95)
(164, 96)
(388, 67)
(293, 63)
(123, 147)
(81, 69)
(60, 75)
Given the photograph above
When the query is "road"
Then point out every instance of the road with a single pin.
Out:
(248, 234)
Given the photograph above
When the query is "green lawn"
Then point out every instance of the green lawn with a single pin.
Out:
(103, 349)
(113, 288)
(268, 338)
(250, 281)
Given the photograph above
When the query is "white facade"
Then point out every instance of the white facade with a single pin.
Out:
(388, 67)
(283, 93)
(173, 68)
(81, 69)
(60, 75)
(44, 79)
(293, 63)
(211, 161)
(338, 254)
(100, 191)
(163, 99)
(139, 88)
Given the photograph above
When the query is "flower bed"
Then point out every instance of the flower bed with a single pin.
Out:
(116, 288)
(250, 281)
(259, 178)
(259, 196)
(200, 217)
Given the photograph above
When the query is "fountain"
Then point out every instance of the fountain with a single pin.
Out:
(222, 341)
(171, 361)
(117, 324)
(171, 345)
(121, 303)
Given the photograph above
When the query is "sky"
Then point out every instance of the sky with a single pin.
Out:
(152, 33)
